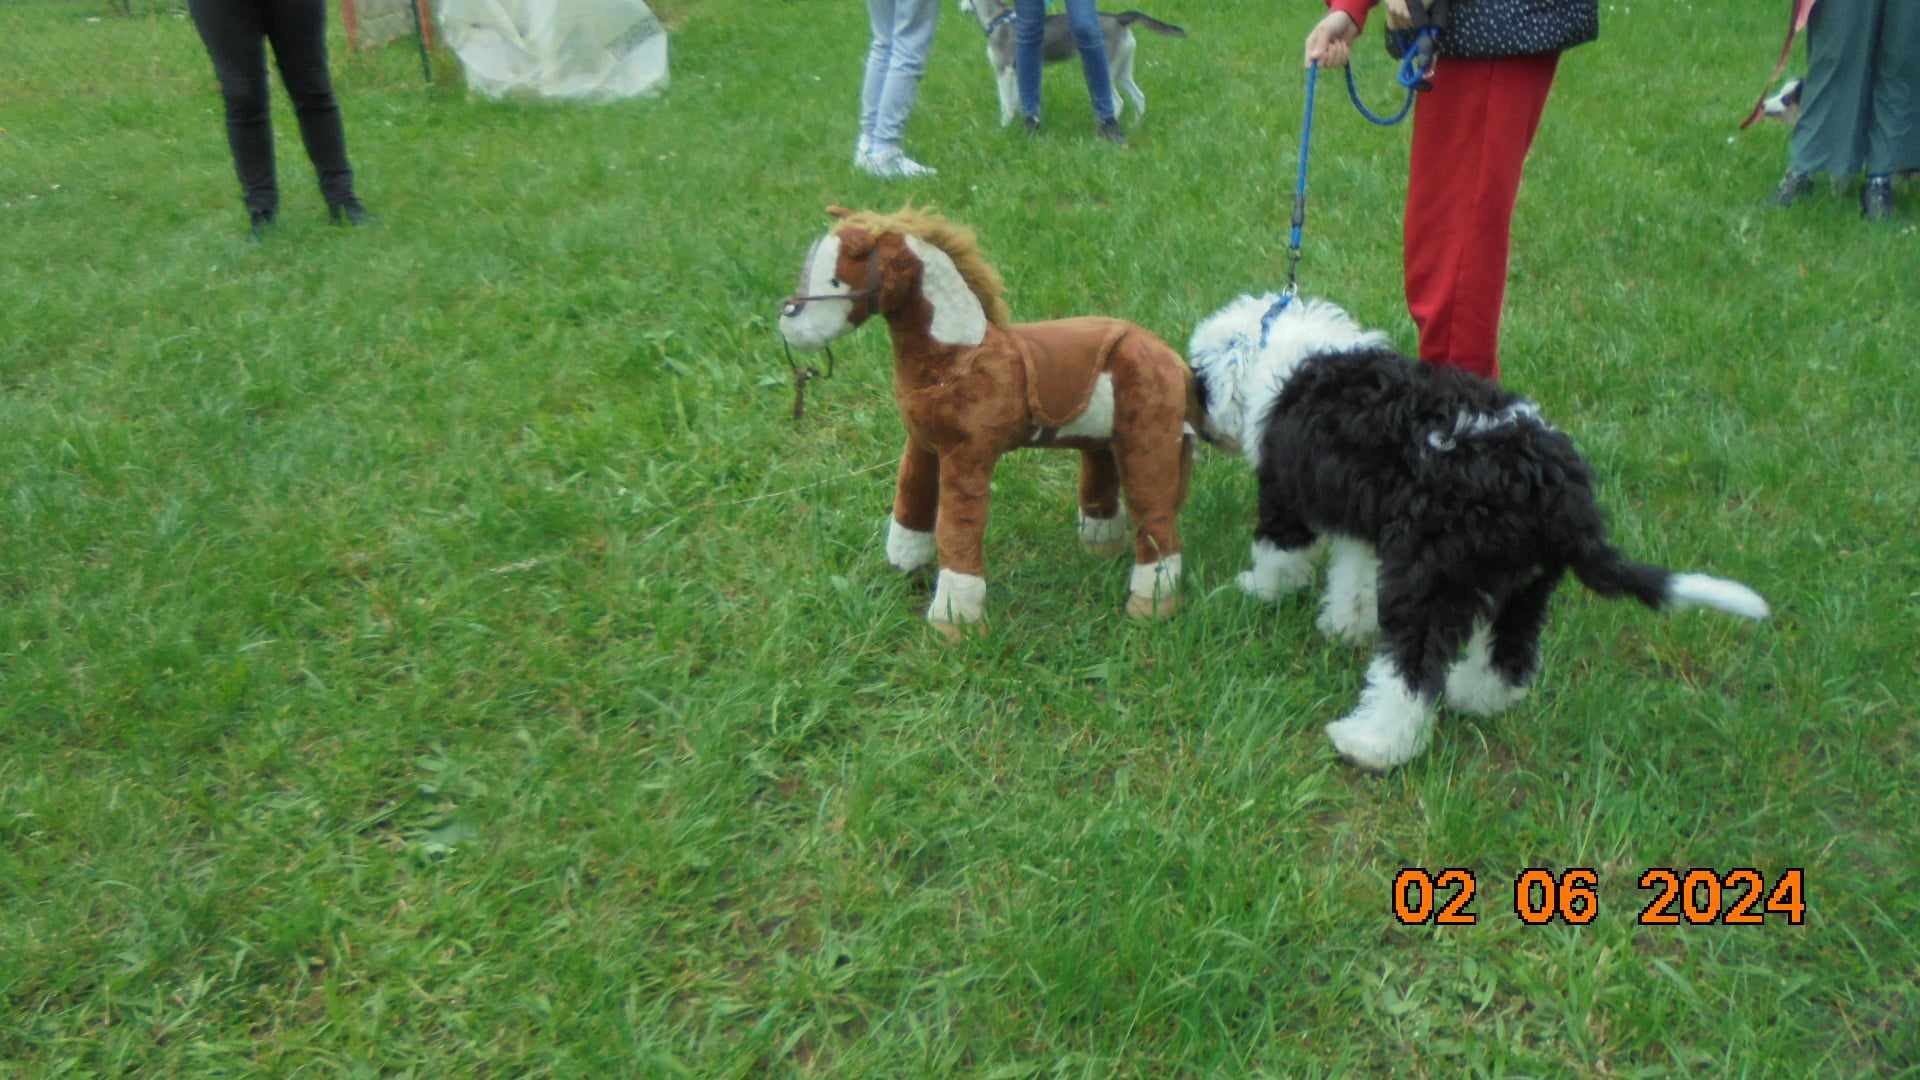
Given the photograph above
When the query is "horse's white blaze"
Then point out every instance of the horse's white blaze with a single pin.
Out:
(819, 321)
(958, 318)
(1096, 420)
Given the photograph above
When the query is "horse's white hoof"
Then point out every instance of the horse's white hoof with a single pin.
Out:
(1154, 589)
(1104, 537)
(955, 632)
(1152, 607)
(908, 549)
(958, 601)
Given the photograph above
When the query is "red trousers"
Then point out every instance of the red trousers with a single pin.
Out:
(1470, 138)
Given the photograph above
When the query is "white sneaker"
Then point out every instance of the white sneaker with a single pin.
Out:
(889, 163)
(861, 150)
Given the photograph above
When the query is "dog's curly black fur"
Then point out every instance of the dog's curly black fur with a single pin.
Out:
(1473, 506)
(1466, 523)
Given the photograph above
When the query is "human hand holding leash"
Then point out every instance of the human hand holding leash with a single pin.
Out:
(1400, 14)
(1329, 43)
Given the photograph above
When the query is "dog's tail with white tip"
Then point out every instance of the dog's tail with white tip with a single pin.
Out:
(1607, 572)
(1128, 18)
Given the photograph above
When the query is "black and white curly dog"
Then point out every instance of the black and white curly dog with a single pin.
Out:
(1450, 509)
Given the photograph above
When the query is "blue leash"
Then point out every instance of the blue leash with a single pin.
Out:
(1300, 186)
(1416, 67)
(1299, 215)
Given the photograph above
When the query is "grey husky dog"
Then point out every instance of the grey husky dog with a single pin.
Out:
(996, 19)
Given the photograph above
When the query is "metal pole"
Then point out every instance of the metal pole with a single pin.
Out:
(420, 35)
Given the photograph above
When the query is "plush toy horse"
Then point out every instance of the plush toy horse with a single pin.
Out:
(972, 386)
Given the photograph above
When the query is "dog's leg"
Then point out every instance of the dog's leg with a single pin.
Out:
(1103, 520)
(1502, 657)
(1123, 76)
(1350, 610)
(1006, 80)
(916, 499)
(1392, 723)
(1282, 549)
(1424, 624)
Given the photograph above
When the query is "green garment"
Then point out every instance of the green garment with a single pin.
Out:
(1860, 107)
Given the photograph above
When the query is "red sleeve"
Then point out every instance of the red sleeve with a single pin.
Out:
(1355, 9)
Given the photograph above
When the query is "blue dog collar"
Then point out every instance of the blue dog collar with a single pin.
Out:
(1273, 312)
(999, 21)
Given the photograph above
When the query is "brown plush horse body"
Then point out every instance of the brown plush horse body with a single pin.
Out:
(971, 386)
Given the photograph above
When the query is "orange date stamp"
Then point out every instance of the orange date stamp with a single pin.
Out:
(1696, 896)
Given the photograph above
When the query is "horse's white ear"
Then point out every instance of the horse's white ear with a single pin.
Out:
(836, 211)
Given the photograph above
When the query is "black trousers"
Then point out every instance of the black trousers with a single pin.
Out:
(236, 33)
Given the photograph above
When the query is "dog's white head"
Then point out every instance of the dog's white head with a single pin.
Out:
(1243, 354)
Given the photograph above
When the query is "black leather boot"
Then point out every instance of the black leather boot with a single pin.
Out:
(348, 211)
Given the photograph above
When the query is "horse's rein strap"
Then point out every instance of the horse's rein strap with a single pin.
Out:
(793, 305)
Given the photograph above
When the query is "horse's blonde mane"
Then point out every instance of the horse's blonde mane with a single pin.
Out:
(951, 237)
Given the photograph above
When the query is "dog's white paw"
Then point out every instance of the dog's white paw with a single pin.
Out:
(1250, 583)
(1350, 610)
(1351, 622)
(1277, 571)
(1473, 686)
(1390, 726)
(1481, 691)
(1361, 745)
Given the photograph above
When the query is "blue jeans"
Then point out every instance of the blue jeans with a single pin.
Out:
(1029, 27)
(902, 36)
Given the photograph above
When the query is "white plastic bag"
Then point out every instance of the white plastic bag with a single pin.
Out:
(573, 49)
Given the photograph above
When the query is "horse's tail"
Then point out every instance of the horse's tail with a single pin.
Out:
(1128, 18)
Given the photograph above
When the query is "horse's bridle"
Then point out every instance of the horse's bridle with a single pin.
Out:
(796, 303)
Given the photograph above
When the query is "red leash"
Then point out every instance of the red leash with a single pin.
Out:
(1796, 21)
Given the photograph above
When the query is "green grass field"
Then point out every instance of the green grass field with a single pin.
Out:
(432, 649)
